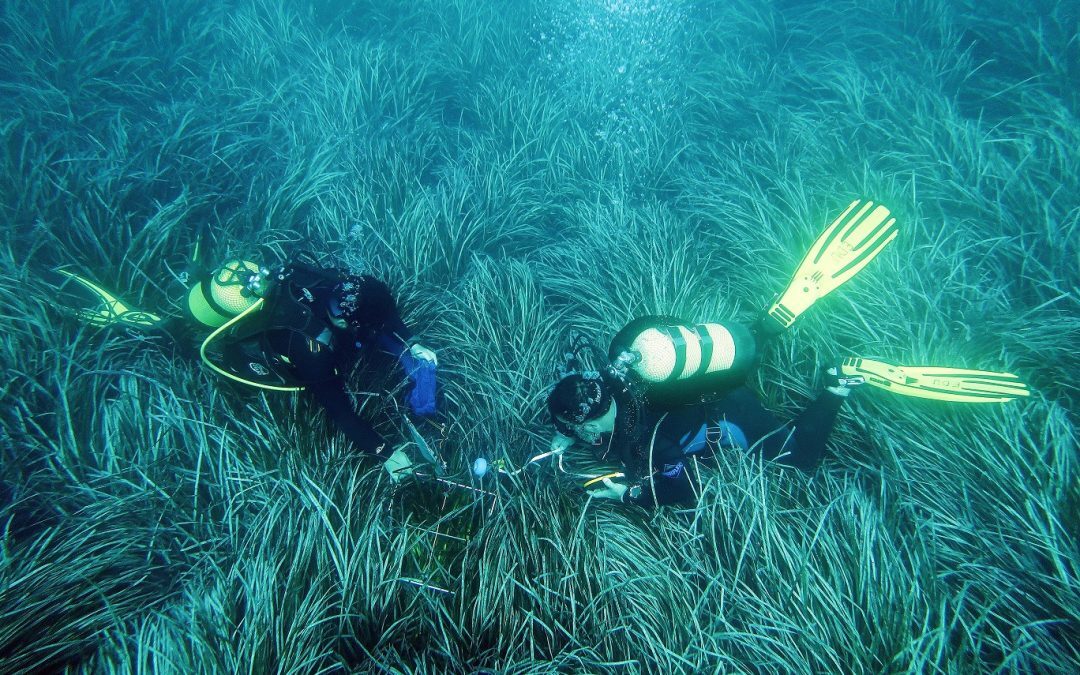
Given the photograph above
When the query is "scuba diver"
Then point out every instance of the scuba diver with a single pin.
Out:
(652, 444)
(672, 395)
(295, 327)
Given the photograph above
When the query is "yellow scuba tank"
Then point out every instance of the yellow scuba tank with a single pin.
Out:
(224, 301)
(229, 291)
(668, 353)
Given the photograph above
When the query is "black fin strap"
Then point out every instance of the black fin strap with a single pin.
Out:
(207, 291)
(706, 342)
(679, 342)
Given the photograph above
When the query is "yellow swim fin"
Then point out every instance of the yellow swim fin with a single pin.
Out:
(110, 310)
(847, 246)
(943, 384)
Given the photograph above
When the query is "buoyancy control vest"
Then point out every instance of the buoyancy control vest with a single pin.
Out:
(240, 348)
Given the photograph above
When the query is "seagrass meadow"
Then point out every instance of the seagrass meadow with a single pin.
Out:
(515, 169)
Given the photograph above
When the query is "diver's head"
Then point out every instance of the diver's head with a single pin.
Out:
(345, 304)
(582, 405)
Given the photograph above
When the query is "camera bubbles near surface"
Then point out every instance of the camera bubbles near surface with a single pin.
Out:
(619, 60)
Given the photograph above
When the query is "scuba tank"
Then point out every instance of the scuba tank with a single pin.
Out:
(229, 291)
(224, 301)
(248, 306)
(678, 360)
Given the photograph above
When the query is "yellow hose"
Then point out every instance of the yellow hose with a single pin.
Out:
(220, 371)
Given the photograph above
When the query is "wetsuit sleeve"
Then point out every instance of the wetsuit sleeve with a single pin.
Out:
(392, 336)
(386, 321)
(332, 396)
(675, 437)
(678, 486)
(316, 365)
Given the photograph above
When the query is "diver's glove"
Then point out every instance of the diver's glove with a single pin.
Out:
(421, 352)
(611, 490)
(398, 465)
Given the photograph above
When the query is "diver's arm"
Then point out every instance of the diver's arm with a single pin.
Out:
(391, 333)
(673, 490)
(671, 447)
(393, 336)
(335, 401)
(681, 488)
(676, 438)
(381, 309)
(560, 442)
(332, 396)
(316, 365)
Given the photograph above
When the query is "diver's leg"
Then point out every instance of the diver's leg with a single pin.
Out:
(316, 364)
(800, 444)
(811, 431)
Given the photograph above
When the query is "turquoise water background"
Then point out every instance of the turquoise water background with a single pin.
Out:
(514, 170)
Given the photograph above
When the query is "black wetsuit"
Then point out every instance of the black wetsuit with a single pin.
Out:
(303, 346)
(736, 420)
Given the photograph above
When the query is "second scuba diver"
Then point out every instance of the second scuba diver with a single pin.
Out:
(672, 394)
(296, 327)
(652, 438)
